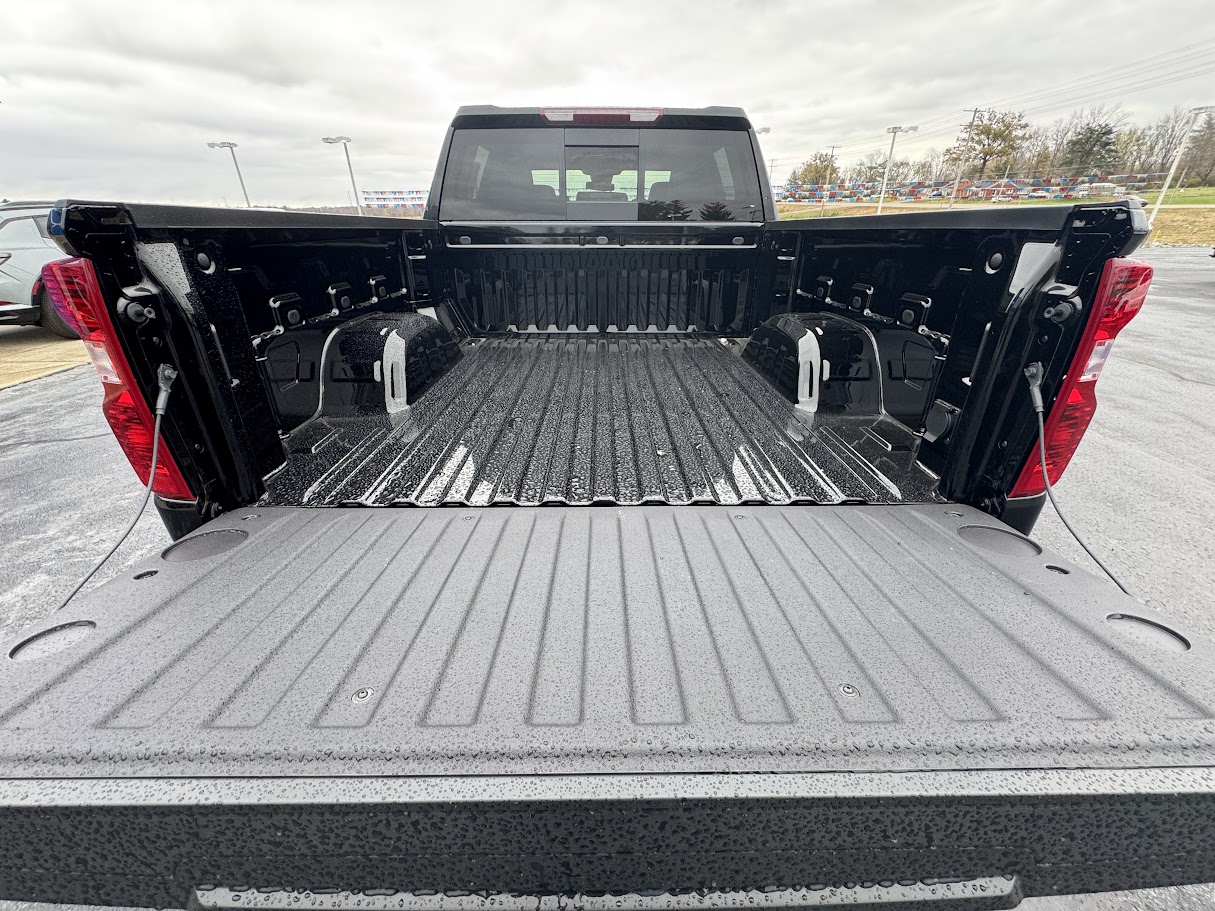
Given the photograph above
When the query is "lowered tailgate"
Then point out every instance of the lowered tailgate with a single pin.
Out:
(567, 700)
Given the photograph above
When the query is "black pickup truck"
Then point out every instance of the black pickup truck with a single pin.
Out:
(601, 541)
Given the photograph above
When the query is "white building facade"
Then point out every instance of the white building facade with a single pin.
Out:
(395, 199)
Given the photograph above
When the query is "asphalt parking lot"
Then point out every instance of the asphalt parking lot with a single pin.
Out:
(1141, 488)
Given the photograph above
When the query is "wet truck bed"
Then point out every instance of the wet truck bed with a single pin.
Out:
(577, 419)
(568, 640)
(616, 700)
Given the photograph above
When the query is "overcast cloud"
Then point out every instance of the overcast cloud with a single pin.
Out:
(117, 100)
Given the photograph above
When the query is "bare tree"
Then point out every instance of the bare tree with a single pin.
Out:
(1097, 139)
(1200, 153)
(868, 169)
(1132, 149)
(1033, 158)
(1164, 138)
(1104, 115)
(901, 170)
(1058, 134)
(930, 168)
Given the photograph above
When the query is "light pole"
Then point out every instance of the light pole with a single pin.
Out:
(1195, 113)
(894, 134)
(974, 115)
(762, 131)
(345, 141)
(231, 147)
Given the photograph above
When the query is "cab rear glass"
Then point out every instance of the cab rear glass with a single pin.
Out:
(600, 174)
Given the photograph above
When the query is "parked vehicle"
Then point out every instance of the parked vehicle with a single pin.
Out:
(1039, 194)
(1136, 199)
(25, 248)
(1103, 189)
(800, 652)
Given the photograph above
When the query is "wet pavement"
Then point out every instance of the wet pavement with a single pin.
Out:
(1141, 488)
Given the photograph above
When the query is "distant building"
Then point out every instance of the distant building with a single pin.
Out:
(990, 189)
(395, 199)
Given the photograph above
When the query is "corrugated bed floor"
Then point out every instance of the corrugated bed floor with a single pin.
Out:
(581, 419)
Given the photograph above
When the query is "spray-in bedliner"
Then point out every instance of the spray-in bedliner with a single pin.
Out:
(625, 419)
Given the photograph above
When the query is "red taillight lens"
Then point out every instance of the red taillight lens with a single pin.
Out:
(1120, 294)
(601, 116)
(76, 296)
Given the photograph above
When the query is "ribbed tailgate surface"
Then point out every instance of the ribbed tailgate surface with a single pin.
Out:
(566, 640)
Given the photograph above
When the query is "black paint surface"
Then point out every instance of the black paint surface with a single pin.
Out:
(625, 419)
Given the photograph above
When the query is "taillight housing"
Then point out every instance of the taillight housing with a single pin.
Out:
(601, 116)
(1120, 295)
(76, 296)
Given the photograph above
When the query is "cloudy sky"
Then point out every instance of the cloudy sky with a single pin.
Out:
(118, 99)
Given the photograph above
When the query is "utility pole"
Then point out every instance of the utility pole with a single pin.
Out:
(830, 165)
(1185, 140)
(894, 134)
(1007, 171)
(231, 147)
(953, 194)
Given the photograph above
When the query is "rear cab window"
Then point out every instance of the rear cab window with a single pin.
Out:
(600, 174)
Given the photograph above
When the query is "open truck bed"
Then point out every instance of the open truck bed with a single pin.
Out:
(624, 419)
(563, 700)
(659, 563)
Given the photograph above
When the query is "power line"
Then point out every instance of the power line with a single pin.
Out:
(1113, 91)
(876, 146)
(1168, 58)
(1177, 65)
(1109, 91)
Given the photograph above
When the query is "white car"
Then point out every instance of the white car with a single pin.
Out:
(25, 247)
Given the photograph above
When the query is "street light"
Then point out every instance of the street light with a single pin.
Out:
(345, 141)
(894, 134)
(771, 164)
(231, 147)
(1195, 113)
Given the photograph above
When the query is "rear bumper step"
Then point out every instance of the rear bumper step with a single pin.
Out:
(958, 895)
(979, 839)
